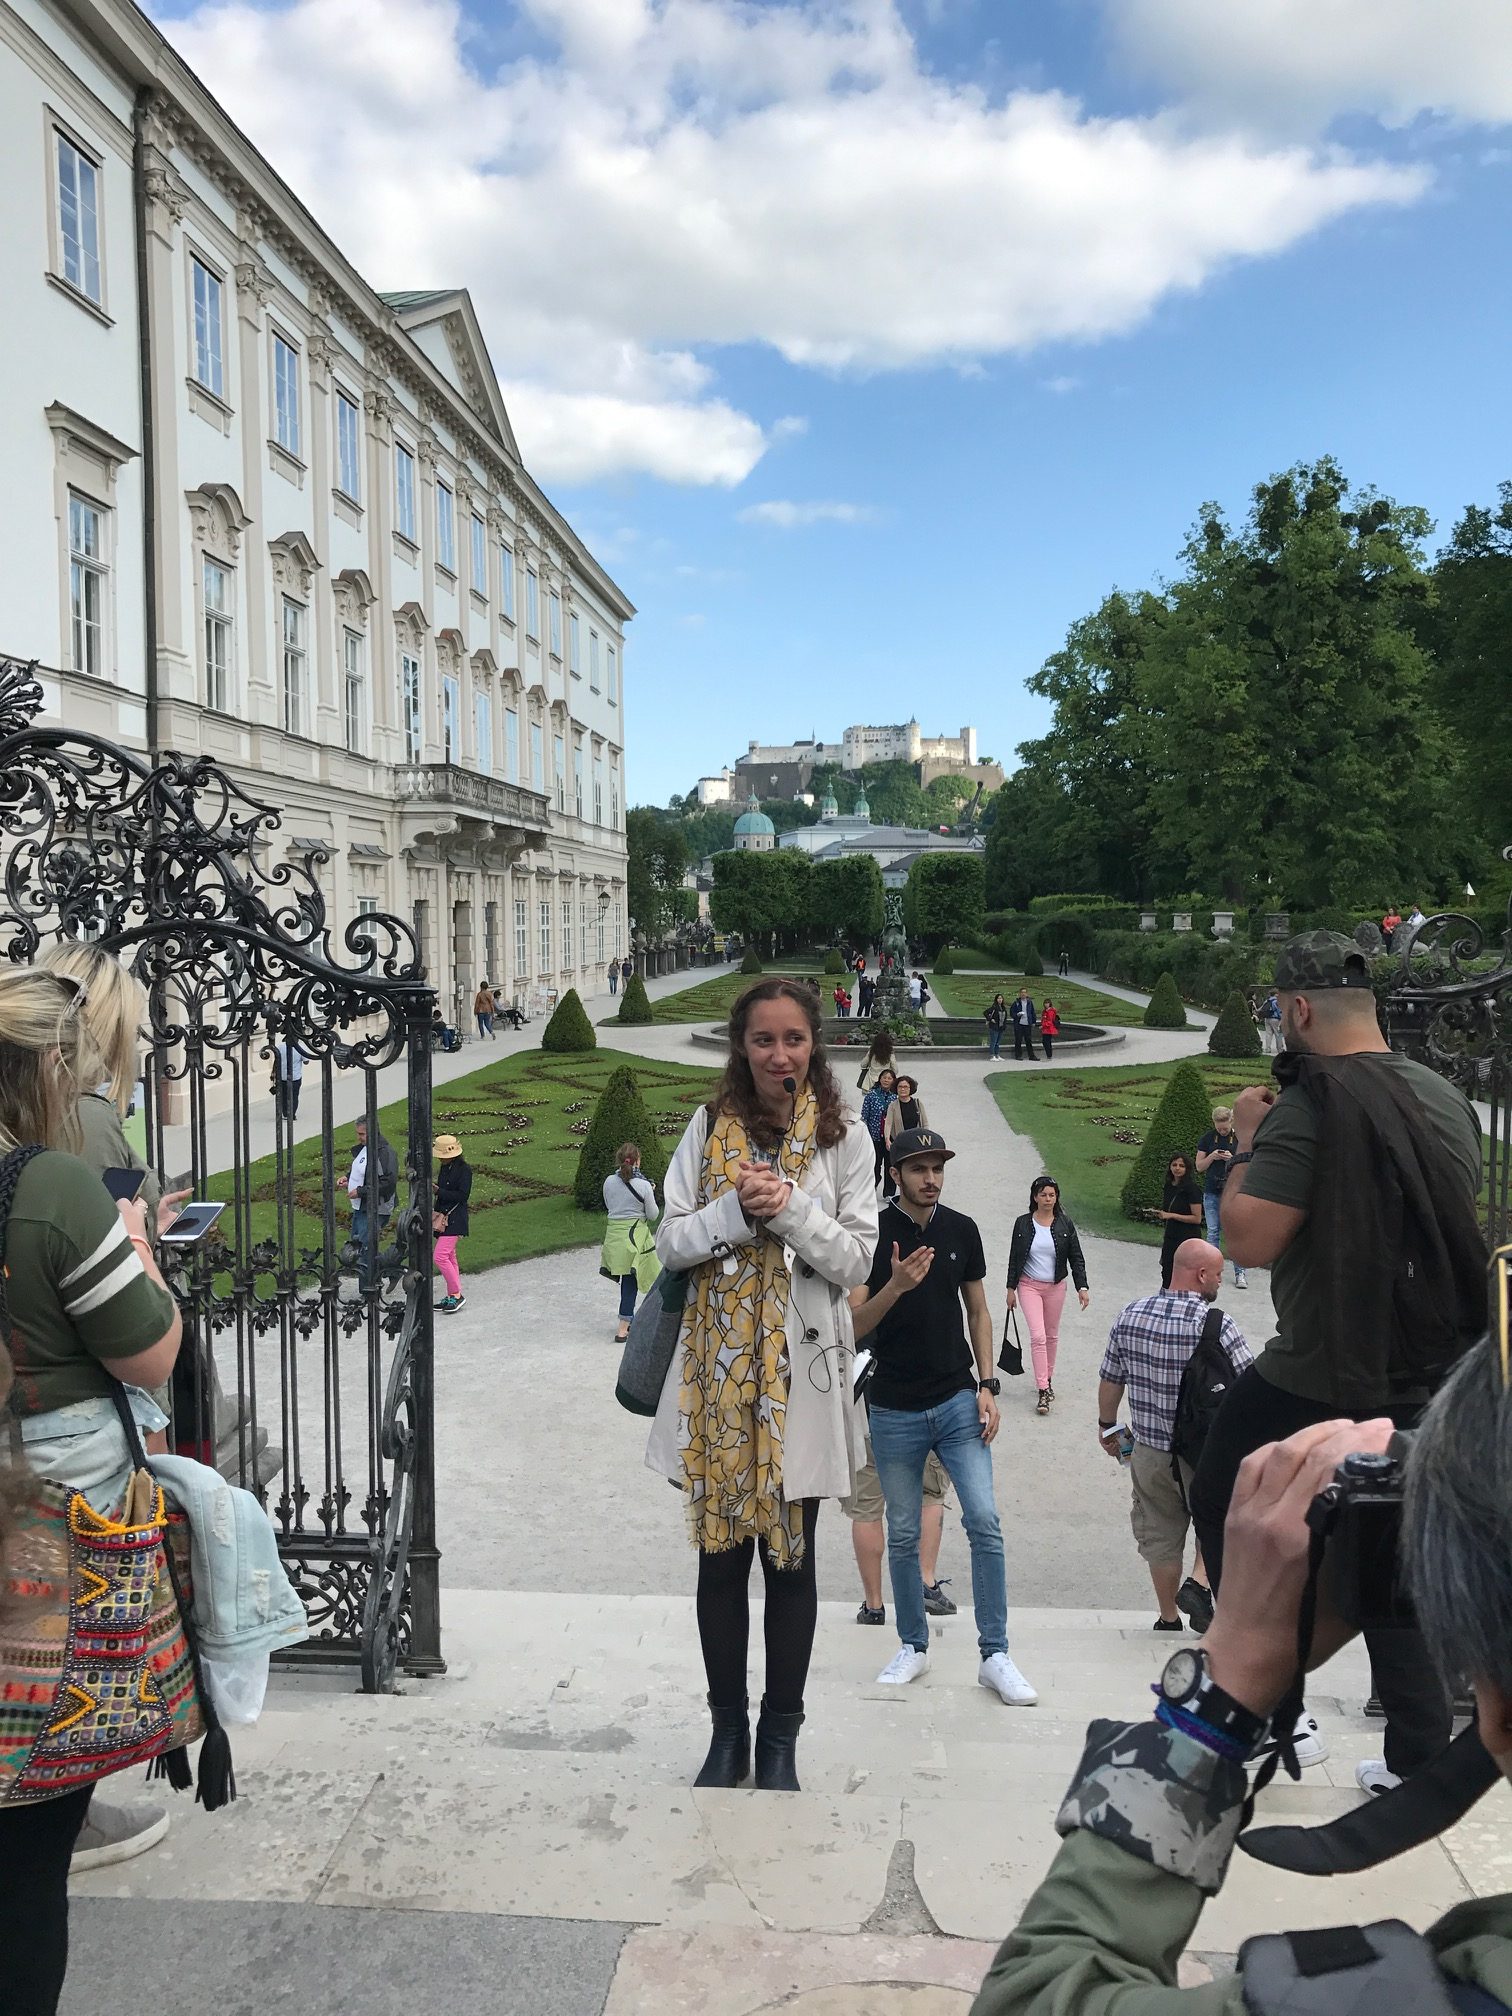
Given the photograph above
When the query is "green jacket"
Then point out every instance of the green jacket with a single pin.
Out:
(1151, 1820)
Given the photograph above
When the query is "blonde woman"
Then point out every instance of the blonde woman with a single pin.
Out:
(86, 1303)
(771, 1210)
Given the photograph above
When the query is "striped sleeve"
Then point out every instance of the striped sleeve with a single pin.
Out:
(113, 1305)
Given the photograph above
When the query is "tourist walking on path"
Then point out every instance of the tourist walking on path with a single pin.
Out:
(772, 1213)
(934, 1391)
(1049, 1023)
(1063, 966)
(996, 1018)
(1043, 1250)
(906, 1111)
(1389, 924)
(483, 1009)
(614, 976)
(1215, 1154)
(1025, 1022)
(864, 1509)
(453, 1188)
(1180, 1211)
(1149, 1348)
(629, 1252)
(874, 1110)
(1270, 1024)
(879, 1058)
(627, 969)
(372, 1187)
(866, 991)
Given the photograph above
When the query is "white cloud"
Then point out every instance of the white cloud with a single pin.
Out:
(788, 516)
(691, 174)
(1312, 59)
(790, 427)
(1060, 386)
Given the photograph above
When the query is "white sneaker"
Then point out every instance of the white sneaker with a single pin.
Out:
(1372, 1776)
(1308, 1738)
(906, 1664)
(1241, 1279)
(999, 1673)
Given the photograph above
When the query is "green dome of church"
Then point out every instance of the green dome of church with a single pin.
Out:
(863, 809)
(829, 805)
(753, 821)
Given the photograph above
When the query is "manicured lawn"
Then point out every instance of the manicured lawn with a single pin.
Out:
(712, 1000)
(1088, 1125)
(971, 994)
(521, 1122)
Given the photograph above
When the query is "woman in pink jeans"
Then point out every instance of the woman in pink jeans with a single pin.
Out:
(453, 1188)
(1045, 1247)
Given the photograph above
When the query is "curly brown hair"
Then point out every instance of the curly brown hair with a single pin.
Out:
(736, 1091)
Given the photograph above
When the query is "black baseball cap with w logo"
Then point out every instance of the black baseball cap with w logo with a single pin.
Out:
(918, 1141)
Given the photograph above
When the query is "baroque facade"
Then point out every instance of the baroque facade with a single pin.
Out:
(257, 511)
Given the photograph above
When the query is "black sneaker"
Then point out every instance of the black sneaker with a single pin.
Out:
(1196, 1604)
(936, 1602)
(865, 1616)
(1168, 1624)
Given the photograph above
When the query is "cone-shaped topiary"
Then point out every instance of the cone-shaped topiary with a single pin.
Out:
(1181, 1119)
(635, 1002)
(1034, 966)
(1163, 1010)
(833, 963)
(620, 1116)
(750, 963)
(1234, 1033)
(944, 960)
(569, 1028)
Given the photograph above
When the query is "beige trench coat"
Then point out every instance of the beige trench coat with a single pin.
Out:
(829, 1231)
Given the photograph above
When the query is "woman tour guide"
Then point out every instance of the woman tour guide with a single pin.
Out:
(771, 1212)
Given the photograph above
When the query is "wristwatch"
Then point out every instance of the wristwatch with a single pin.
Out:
(1242, 1155)
(1187, 1684)
(992, 1386)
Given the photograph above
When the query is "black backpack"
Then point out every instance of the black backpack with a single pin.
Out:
(1205, 1385)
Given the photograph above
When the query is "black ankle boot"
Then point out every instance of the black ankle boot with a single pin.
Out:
(776, 1751)
(728, 1763)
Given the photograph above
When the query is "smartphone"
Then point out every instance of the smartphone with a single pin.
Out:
(191, 1225)
(863, 1371)
(123, 1184)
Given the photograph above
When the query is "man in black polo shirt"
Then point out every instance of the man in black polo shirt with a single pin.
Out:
(934, 1391)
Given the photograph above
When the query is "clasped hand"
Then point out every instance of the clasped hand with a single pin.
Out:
(762, 1192)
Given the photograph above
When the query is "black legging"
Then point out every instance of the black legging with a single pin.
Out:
(35, 1845)
(724, 1621)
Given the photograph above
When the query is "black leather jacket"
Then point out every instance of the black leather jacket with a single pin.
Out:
(1068, 1252)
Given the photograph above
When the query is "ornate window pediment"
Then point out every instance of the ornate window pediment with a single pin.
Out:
(354, 595)
(410, 622)
(450, 648)
(484, 664)
(295, 562)
(217, 519)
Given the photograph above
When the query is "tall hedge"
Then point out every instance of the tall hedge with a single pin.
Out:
(620, 1116)
(1234, 1033)
(1034, 965)
(1163, 1010)
(635, 1002)
(751, 962)
(944, 961)
(1183, 1116)
(569, 1028)
(833, 963)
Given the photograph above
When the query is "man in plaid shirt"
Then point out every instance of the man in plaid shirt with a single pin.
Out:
(1148, 1349)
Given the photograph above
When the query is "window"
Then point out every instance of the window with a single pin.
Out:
(491, 937)
(556, 626)
(404, 492)
(295, 666)
(451, 719)
(577, 777)
(575, 636)
(410, 707)
(532, 606)
(285, 394)
(559, 770)
(479, 556)
(219, 657)
(209, 328)
(613, 690)
(88, 583)
(367, 906)
(583, 930)
(446, 528)
(614, 818)
(506, 574)
(593, 660)
(566, 932)
(537, 757)
(512, 745)
(348, 446)
(483, 732)
(521, 937)
(602, 908)
(79, 219)
(355, 693)
(545, 923)
(598, 791)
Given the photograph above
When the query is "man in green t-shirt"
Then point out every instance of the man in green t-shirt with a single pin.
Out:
(1328, 1011)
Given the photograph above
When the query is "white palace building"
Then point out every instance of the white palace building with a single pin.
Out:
(254, 510)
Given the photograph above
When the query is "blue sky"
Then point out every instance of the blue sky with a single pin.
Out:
(870, 343)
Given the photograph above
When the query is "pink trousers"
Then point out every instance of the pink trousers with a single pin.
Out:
(446, 1261)
(1043, 1302)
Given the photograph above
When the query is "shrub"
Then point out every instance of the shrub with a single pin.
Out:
(635, 1002)
(1034, 966)
(1179, 1122)
(833, 963)
(944, 960)
(1163, 1010)
(751, 963)
(1205, 971)
(620, 1116)
(1234, 1033)
(569, 1028)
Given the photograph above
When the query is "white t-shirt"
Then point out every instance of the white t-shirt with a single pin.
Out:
(1040, 1266)
(915, 989)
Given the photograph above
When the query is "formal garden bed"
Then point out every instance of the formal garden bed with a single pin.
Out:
(971, 994)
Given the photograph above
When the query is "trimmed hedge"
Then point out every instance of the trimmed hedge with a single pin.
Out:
(1205, 971)
(569, 1028)
(944, 960)
(635, 1002)
(1234, 1033)
(1034, 966)
(1163, 1010)
(620, 1116)
(1179, 1122)
(750, 963)
(833, 963)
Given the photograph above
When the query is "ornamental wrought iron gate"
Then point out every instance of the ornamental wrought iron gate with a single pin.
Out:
(307, 1366)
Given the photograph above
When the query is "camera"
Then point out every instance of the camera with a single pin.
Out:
(1359, 1516)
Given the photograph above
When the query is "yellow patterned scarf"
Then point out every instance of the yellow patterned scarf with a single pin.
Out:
(732, 1406)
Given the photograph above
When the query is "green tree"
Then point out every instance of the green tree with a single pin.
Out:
(620, 1116)
(635, 1002)
(846, 899)
(944, 901)
(892, 791)
(1164, 1009)
(569, 1028)
(656, 860)
(1177, 1125)
(1469, 627)
(742, 898)
(1234, 1033)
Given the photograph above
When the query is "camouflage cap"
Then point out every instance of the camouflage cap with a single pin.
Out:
(1317, 959)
